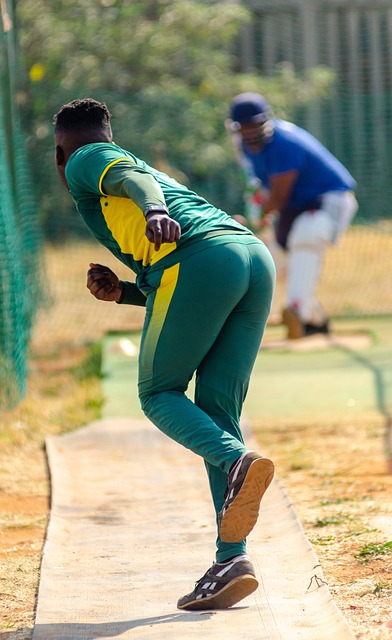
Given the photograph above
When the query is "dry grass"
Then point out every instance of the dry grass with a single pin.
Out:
(72, 315)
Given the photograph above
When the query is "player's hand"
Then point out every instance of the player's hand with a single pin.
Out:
(267, 219)
(103, 283)
(241, 219)
(161, 228)
(255, 225)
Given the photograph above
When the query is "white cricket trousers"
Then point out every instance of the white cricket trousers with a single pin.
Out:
(309, 236)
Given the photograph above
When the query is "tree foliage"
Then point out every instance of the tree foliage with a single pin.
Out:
(165, 69)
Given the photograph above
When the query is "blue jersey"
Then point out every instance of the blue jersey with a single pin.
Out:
(292, 148)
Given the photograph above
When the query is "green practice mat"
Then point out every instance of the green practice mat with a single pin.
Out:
(119, 370)
(350, 376)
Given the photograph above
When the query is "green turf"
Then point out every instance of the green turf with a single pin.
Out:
(317, 384)
(120, 376)
(326, 382)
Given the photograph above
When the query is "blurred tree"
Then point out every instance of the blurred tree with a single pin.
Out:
(164, 67)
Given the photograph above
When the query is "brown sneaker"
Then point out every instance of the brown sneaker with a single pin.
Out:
(295, 327)
(222, 586)
(248, 480)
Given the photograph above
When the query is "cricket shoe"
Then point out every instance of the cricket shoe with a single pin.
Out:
(311, 329)
(222, 586)
(248, 480)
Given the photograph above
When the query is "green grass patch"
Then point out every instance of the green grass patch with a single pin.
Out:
(382, 587)
(373, 550)
(328, 520)
(322, 540)
(91, 366)
(327, 503)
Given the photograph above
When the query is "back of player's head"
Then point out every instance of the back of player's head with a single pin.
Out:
(249, 107)
(83, 114)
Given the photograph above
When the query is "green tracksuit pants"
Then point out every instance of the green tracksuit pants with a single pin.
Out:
(206, 315)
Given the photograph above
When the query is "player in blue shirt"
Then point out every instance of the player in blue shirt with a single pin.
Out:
(307, 190)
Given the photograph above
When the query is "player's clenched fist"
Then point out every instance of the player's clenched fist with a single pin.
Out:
(103, 283)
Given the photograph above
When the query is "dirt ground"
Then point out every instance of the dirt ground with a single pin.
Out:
(336, 477)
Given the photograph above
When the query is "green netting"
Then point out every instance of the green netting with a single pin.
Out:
(12, 342)
(354, 117)
(20, 247)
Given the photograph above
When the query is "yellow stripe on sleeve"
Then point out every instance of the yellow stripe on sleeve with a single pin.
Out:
(104, 172)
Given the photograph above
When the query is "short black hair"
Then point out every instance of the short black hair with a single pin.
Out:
(79, 114)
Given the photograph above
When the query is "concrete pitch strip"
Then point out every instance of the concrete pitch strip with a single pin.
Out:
(131, 529)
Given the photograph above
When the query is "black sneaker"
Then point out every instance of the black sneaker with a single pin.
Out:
(247, 482)
(222, 586)
(312, 329)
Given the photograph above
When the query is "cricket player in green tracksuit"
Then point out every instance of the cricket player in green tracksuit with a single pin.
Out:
(207, 283)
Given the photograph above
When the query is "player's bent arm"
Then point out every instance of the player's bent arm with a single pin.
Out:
(126, 180)
(281, 187)
(105, 285)
(131, 294)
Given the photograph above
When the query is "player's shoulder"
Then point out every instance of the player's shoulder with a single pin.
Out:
(292, 136)
(287, 139)
(95, 158)
(285, 130)
(101, 150)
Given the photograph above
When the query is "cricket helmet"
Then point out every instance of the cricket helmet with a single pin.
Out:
(249, 107)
